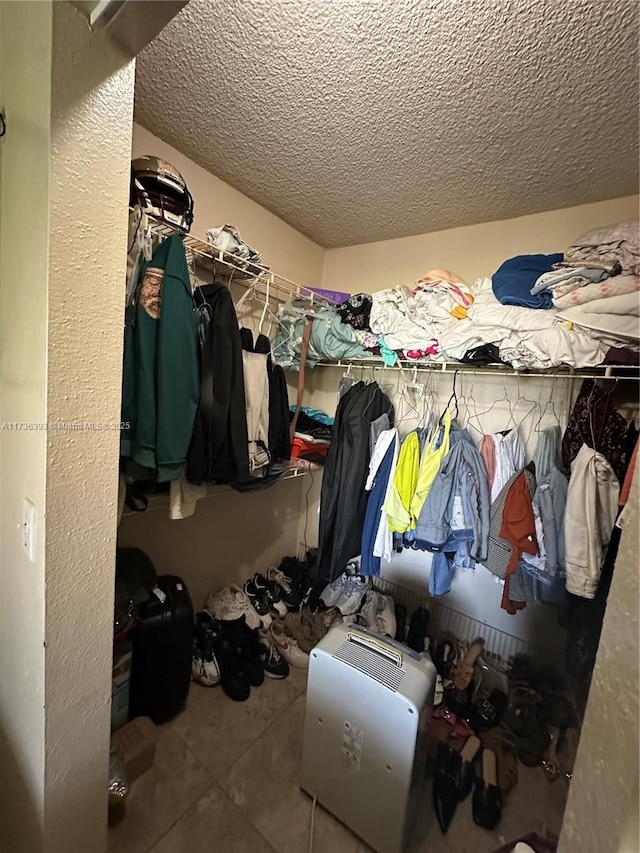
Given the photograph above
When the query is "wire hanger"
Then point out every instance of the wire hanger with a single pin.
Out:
(453, 398)
(477, 415)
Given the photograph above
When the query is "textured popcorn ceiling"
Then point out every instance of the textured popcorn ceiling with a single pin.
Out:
(360, 120)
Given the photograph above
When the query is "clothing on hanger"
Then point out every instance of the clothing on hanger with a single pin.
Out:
(381, 466)
(509, 455)
(458, 500)
(592, 506)
(219, 451)
(344, 498)
(398, 504)
(431, 460)
(594, 421)
(256, 390)
(512, 533)
(160, 368)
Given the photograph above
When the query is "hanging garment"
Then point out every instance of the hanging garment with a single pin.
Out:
(509, 458)
(547, 567)
(219, 448)
(430, 463)
(487, 449)
(458, 500)
(595, 422)
(512, 533)
(592, 505)
(377, 482)
(183, 497)
(279, 445)
(344, 499)
(626, 486)
(256, 394)
(405, 481)
(160, 368)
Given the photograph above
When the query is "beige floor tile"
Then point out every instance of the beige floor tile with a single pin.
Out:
(298, 677)
(161, 796)
(263, 784)
(214, 823)
(219, 730)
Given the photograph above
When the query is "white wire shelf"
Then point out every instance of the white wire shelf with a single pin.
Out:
(161, 500)
(605, 371)
(233, 270)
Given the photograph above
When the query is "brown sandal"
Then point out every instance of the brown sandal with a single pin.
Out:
(463, 672)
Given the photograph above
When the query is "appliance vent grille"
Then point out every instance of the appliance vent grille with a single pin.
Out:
(372, 664)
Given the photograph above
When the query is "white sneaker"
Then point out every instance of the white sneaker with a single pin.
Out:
(232, 603)
(386, 616)
(353, 594)
(280, 578)
(334, 590)
(288, 647)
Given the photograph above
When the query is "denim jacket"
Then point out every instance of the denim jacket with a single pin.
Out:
(462, 473)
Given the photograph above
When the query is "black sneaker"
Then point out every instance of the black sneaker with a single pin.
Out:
(296, 577)
(257, 595)
(273, 591)
(249, 642)
(234, 679)
(204, 664)
(275, 666)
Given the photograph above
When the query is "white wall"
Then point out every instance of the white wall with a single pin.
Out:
(473, 251)
(65, 183)
(92, 114)
(25, 94)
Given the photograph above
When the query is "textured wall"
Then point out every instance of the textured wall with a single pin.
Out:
(357, 121)
(25, 30)
(216, 203)
(92, 102)
(602, 810)
(473, 251)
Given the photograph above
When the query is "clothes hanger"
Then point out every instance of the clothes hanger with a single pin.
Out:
(415, 386)
(548, 404)
(452, 399)
(477, 415)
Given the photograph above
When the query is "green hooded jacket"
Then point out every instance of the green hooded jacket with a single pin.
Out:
(160, 386)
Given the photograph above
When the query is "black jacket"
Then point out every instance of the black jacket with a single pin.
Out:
(343, 502)
(219, 446)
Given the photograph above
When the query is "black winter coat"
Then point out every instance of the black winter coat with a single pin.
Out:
(219, 446)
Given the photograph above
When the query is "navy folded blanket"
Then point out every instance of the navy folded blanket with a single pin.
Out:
(513, 281)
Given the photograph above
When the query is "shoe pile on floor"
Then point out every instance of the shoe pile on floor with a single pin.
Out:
(489, 720)
(240, 637)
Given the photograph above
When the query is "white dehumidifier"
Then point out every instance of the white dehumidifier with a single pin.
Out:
(368, 710)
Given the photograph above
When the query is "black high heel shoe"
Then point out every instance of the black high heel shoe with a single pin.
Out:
(487, 797)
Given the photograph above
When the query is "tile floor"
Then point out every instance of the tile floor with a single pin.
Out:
(225, 779)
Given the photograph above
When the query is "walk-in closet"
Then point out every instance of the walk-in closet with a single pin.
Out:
(374, 552)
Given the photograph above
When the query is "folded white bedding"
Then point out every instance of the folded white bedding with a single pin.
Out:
(616, 319)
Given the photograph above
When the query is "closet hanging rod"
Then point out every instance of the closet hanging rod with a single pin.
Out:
(283, 289)
(608, 371)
